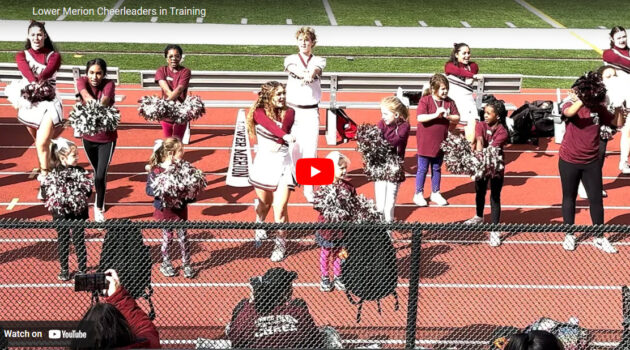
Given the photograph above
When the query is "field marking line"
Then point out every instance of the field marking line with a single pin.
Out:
(12, 204)
(422, 23)
(556, 24)
(465, 24)
(61, 18)
(329, 13)
(116, 7)
(243, 20)
(378, 23)
(199, 19)
(289, 21)
(510, 24)
(154, 19)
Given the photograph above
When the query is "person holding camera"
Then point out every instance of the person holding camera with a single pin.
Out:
(118, 322)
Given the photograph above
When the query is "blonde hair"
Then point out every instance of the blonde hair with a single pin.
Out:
(162, 149)
(309, 32)
(395, 105)
(265, 101)
(60, 147)
(435, 82)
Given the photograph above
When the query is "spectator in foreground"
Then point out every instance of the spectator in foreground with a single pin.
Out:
(119, 322)
(534, 340)
(270, 318)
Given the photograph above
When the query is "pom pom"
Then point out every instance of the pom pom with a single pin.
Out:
(617, 92)
(179, 184)
(336, 202)
(381, 163)
(606, 132)
(92, 118)
(460, 159)
(153, 108)
(66, 191)
(37, 92)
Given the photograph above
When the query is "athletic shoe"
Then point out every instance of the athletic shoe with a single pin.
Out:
(166, 268)
(98, 215)
(569, 242)
(604, 194)
(624, 167)
(339, 284)
(495, 239)
(64, 275)
(437, 198)
(325, 285)
(474, 220)
(582, 191)
(604, 244)
(40, 178)
(280, 249)
(418, 198)
(189, 272)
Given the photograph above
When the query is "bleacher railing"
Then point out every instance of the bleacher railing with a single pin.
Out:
(454, 290)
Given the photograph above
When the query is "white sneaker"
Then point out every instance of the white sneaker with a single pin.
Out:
(582, 191)
(40, 178)
(259, 234)
(569, 242)
(278, 252)
(474, 220)
(418, 198)
(624, 167)
(604, 244)
(495, 239)
(604, 194)
(98, 215)
(437, 198)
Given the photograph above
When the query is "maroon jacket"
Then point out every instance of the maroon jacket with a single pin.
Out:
(146, 333)
(52, 65)
(288, 326)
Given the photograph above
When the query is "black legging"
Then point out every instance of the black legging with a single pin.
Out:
(591, 176)
(78, 239)
(99, 155)
(601, 153)
(481, 187)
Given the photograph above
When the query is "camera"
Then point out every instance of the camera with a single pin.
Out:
(91, 282)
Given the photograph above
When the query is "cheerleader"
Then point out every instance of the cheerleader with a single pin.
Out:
(99, 147)
(618, 56)
(269, 121)
(303, 95)
(461, 72)
(436, 114)
(38, 63)
(64, 155)
(490, 132)
(173, 79)
(164, 154)
(394, 127)
(579, 159)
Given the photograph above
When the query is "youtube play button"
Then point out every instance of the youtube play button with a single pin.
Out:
(315, 171)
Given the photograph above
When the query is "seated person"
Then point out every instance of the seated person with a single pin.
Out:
(119, 322)
(271, 318)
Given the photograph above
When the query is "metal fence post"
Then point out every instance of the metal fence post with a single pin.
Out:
(414, 282)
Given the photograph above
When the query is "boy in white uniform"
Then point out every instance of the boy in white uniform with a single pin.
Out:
(303, 95)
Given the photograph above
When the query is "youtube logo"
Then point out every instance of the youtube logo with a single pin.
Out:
(315, 171)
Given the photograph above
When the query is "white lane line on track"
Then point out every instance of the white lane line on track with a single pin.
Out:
(405, 205)
(316, 285)
(409, 175)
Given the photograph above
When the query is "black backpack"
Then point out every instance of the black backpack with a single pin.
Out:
(124, 251)
(370, 271)
(532, 120)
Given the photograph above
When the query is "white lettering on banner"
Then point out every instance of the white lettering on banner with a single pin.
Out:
(275, 324)
(240, 157)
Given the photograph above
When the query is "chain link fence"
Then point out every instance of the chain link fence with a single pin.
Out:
(468, 292)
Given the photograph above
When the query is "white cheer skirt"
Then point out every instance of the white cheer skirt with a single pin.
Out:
(32, 114)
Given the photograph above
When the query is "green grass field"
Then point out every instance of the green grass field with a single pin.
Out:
(436, 13)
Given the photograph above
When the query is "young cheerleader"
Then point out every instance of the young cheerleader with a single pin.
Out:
(164, 154)
(173, 79)
(579, 158)
(269, 121)
(64, 155)
(100, 147)
(490, 132)
(38, 63)
(395, 128)
(461, 72)
(303, 95)
(330, 241)
(436, 114)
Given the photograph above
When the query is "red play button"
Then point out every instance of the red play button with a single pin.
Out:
(315, 171)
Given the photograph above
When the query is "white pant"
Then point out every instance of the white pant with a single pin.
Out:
(385, 196)
(306, 131)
